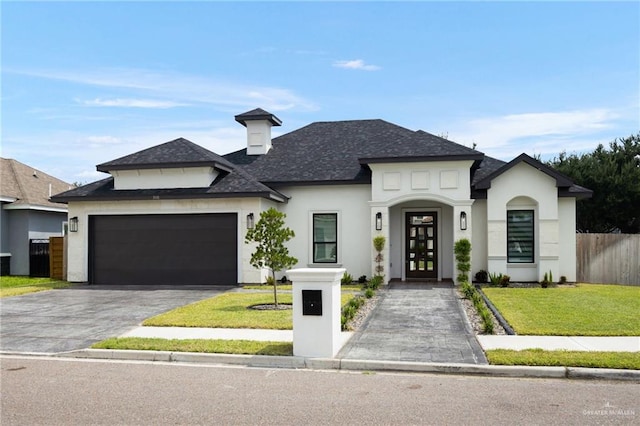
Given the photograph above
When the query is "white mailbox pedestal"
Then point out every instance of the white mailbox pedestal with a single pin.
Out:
(316, 311)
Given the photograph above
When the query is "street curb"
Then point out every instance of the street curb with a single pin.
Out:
(296, 362)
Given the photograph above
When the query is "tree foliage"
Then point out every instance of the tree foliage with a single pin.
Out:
(270, 234)
(613, 175)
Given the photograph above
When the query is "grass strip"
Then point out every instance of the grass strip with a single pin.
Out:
(229, 310)
(18, 285)
(239, 347)
(539, 357)
(583, 310)
(289, 287)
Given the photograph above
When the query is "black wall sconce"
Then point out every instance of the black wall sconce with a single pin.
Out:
(250, 221)
(463, 221)
(73, 224)
(378, 221)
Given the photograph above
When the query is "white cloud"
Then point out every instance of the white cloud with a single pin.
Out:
(356, 64)
(95, 141)
(540, 133)
(181, 88)
(130, 103)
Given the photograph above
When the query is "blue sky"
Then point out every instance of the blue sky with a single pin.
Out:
(85, 83)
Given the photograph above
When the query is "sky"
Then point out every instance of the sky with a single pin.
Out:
(83, 83)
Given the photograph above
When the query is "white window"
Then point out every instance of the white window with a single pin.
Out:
(520, 237)
(325, 238)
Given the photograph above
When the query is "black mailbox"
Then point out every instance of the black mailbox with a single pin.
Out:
(312, 302)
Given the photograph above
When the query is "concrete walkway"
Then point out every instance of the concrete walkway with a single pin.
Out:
(416, 322)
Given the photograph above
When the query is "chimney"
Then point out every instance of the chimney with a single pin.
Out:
(258, 123)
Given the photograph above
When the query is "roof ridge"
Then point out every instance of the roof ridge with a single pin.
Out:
(18, 179)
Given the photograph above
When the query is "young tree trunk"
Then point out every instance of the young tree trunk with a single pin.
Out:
(275, 290)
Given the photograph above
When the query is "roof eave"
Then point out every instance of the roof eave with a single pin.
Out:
(417, 159)
(119, 196)
(106, 168)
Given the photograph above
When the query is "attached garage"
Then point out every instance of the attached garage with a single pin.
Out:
(164, 249)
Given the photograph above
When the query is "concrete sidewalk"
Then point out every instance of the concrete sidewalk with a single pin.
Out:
(488, 342)
(569, 343)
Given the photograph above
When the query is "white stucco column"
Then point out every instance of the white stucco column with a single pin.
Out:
(383, 223)
(316, 311)
(461, 219)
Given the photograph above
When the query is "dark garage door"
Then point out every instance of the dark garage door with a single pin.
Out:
(184, 249)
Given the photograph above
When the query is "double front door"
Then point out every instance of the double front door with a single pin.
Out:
(422, 245)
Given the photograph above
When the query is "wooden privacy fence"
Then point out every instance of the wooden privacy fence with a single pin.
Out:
(56, 258)
(608, 258)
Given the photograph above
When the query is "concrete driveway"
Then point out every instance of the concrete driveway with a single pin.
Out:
(74, 318)
(416, 322)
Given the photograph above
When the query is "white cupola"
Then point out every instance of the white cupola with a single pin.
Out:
(258, 123)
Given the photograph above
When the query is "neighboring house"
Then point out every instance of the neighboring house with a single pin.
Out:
(27, 213)
(177, 213)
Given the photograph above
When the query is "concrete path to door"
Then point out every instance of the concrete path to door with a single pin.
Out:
(419, 322)
(74, 318)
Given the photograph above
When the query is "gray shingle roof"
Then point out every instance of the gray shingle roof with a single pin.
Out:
(29, 186)
(176, 153)
(232, 181)
(339, 151)
(257, 114)
(566, 186)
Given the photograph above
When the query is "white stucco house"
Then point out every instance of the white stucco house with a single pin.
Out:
(177, 213)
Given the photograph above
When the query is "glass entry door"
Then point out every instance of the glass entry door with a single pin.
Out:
(422, 245)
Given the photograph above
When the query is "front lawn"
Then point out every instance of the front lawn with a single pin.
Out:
(14, 285)
(539, 357)
(583, 310)
(245, 347)
(229, 310)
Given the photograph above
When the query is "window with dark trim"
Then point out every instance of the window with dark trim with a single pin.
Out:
(520, 241)
(325, 238)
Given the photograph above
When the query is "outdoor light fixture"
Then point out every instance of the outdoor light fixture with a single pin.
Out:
(250, 222)
(73, 224)
(378, 221)
(463, 221)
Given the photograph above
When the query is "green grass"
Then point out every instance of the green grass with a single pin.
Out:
(229, 310)
(247, 347)
(584, 310)
(17, 285)
(539, 357)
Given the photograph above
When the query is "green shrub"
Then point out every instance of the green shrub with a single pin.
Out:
(504, 281)
(369, 293)
(375, 282)
(467, 289)
(346, 279)
(482, 276)
(270, 280)
(495, 279)
(462, 250)
(487, 320)
(349, 311)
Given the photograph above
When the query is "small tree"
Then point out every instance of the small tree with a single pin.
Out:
(378, 244)
(462, 249)
(270, 234)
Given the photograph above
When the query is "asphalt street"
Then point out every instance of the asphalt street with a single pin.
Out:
(72, 392)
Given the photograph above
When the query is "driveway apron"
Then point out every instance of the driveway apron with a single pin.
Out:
(416, 322)
(74, 318)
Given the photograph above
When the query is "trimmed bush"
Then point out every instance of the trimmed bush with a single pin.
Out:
(346, 279)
